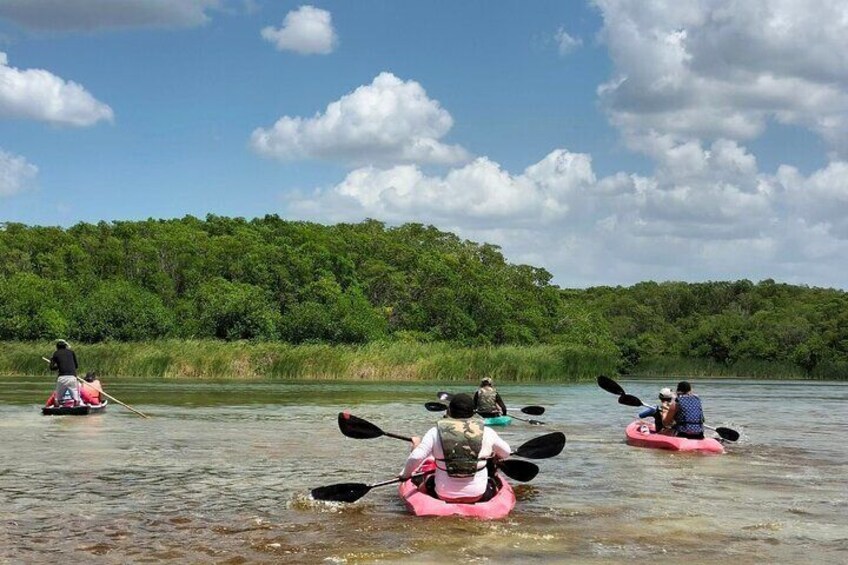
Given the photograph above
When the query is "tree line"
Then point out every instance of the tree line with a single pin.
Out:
(269, 279)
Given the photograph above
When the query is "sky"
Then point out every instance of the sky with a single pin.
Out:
(607, 141)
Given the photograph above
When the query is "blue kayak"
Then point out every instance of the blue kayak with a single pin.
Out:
(498, 421)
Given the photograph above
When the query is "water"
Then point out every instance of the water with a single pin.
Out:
(220, 473)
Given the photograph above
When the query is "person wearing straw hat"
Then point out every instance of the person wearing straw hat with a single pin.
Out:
(64, 361)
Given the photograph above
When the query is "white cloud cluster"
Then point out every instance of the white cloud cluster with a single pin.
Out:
(38, 94)
(307, 30)
(706, 213)
(16, 174)
(88, 15)
(723, 68)
(480, 191)
(387, 121)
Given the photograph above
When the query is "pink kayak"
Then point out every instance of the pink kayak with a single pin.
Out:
(422, 504)
(642, 435)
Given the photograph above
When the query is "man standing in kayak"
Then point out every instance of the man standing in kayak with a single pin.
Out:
(686, 415)
(65, 362)
(487, 401)
(461, 446)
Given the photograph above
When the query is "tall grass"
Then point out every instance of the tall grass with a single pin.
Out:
(379, 361)
(745, 368)
(391, 361)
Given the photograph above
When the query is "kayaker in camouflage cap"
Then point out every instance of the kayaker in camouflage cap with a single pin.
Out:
(461, 446)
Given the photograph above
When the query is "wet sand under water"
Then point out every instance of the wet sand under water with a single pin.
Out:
(221, 474)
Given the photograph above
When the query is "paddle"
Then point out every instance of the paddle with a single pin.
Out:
(724, 433)
(357, 428)
(439, 407)
(350, 492)
(610, 385)
(532, 410)
(522, 471)
(110, 397)
(516, 469)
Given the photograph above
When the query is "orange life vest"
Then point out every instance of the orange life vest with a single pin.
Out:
(90, 392)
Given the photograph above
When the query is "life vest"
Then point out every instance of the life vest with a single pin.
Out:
(689, 417)
(461, 440)
(90, 392)
(487, 401)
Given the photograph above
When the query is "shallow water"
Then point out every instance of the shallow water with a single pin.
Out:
(221, 473)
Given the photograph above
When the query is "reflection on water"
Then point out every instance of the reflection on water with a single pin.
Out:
(221, 473)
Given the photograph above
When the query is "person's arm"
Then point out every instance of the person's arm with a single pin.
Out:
(500, 448)
(477, 399)
(54, 363)
(76, 364)
(419, 453)
(500, 402)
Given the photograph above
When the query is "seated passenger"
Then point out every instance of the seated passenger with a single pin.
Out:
(487, 401)
(665, 397)
(686, 415)
(461, 446)
(91, 390)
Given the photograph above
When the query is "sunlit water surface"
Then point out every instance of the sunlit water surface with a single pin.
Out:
(220, 473)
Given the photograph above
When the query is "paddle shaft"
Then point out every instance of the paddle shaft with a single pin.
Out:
(110, 397)
(528, 420)
(532, 410)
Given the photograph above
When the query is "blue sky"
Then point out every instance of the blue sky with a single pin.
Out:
(608, 141)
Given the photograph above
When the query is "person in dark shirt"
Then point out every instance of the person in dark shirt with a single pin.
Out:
(64, 361)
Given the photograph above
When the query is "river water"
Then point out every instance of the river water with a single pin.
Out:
(220, 473)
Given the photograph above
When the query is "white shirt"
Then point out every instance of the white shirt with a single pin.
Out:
(448, 487)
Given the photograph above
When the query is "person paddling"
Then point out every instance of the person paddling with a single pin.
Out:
(487, 401)
(461, 446)
(686, 415)
(64, 361)
(90, 391)
(666, 397)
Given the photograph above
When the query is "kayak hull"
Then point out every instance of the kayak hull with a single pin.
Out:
(422, 504)
(498, 421)
(83, 410)
(642, 435)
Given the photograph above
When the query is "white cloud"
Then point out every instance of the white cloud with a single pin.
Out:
(307, 31)
(88, 15)
(705, 213)
(388, 121)
(16, 174)
(565, 42)
(723, 68)
(40, 95)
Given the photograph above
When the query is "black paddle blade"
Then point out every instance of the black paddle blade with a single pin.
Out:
(610, 385)
(435, 406)
(542, 447)
(357, 428)
(629, 400)
(521, 471)
(341, 492)
(728, 434)
(534, 410)
(444, 396)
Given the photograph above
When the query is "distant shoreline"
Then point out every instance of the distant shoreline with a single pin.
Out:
(380, 361)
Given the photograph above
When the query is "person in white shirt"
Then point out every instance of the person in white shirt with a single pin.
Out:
(461, 446)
